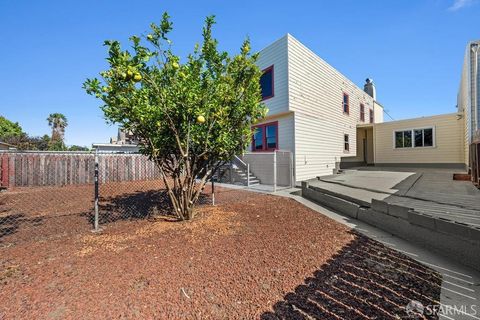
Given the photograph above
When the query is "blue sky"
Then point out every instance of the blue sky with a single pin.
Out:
(413, 49)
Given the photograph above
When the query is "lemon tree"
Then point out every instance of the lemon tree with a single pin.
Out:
(190, 116)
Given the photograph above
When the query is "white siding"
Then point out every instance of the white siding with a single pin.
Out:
(315, 95)
(276, 55)
(285, 131)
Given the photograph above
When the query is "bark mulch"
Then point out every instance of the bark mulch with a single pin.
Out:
(251, 256)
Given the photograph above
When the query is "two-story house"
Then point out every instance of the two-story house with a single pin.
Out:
(314, 110)
(325, 121)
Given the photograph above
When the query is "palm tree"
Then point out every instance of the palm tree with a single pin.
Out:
(58, 122)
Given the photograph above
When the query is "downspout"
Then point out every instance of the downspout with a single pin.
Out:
(475, 86)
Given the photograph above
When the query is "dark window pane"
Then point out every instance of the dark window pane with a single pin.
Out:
(371, 116)
(266, 83)
(418, 138)
(407, 139)
(258, 139)
(428, 137)
(271, 143)
(399, 139)
(345, 103)
(271, 137)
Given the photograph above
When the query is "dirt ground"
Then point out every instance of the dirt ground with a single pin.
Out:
(251, 256)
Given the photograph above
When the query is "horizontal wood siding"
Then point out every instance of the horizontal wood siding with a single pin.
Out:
(276, 55)
(315, 95)
(449, 141)
(58, 169)
(285, 131)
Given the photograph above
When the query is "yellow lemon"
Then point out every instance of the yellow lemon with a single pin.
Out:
(200, 119)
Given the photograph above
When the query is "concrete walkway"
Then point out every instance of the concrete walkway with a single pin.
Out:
(430, 191)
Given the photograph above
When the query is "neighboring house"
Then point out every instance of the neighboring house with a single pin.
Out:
(326, 121)
(125, 141)
(113, 147)
(468, 101)
(6, 146)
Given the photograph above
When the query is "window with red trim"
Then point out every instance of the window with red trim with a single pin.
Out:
(362, 112)
(371, 116)
(346, 103)
(266, 83)
(265, 137)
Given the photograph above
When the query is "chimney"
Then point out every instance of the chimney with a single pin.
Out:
(369, 88)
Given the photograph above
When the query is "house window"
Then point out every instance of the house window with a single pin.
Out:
(371, 114)
(414, 138)
(346, 105)
(403, 139)
(266, 83)
(346, 142)
(265, 137)
(423, 137)
(362, 112)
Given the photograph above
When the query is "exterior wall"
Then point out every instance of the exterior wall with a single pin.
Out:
(276, 55)
(469, 93)
(378, 112)
(448, 141)
(359, 159)
(285, 131)
(315, 95)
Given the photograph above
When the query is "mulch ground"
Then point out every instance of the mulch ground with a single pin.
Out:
(250, 256)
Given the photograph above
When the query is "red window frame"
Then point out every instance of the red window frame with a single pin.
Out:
(270, 69)
(362, 112)
(347, 104)
(372, 116)
(263, 127)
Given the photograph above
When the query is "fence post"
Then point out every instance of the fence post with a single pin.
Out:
(213, 190)
(248, 175)
(274, 171)
(96, 191)
(292, 175)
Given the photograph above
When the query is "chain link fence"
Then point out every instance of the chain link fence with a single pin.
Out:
(53, 194)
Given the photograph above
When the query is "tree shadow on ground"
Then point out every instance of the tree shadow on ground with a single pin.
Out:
(138, 205)
(11, 223)
(364, 280)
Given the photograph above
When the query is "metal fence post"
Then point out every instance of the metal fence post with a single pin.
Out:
(96, 191)
(291, 171)
(248, 175)
(275, 171)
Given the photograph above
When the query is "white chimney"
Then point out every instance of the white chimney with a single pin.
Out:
(369, 88)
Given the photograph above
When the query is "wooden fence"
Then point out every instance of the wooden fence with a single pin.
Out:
(31, 169)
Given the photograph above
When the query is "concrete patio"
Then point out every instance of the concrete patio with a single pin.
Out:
(426, 190)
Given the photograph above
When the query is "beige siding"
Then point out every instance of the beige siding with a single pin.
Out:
(276, 55)
(448, 141)
(363, 134)
(378, 112)
(315, 95)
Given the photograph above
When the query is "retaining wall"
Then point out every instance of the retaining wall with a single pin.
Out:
(449, 238)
